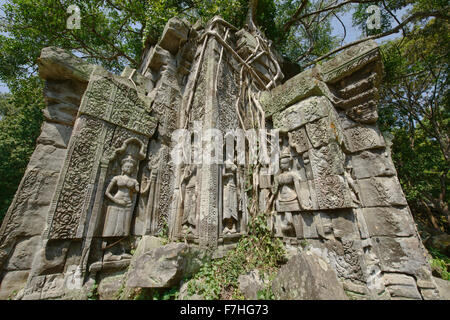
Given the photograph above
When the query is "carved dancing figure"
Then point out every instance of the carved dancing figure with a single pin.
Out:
(287, 191)
(120, 211)
(230, 199)
(150, 187)
(349, 175)
(189, 199)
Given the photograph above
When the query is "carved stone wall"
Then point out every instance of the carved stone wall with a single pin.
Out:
(356, 215)
(21, 231)
(102, 175)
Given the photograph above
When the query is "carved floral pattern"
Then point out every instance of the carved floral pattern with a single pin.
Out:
(69, 208)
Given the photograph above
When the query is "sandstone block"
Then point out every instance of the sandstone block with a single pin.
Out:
(12, 282)
(55, 134)
(22, 257)
(363, 137)
(175, 33)
(304, 112)
(250, 284)
(307, 277)
(402, 255)
(109, 286)
(389, 221)
(372, 163)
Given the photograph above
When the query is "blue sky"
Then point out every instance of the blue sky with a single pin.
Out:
(352, 33)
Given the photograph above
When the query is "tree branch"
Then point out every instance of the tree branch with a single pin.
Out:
(288, 24)
(415, 16)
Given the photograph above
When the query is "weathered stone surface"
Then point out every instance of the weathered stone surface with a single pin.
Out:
(349, 61)
(320, 132)
(343, 224)
(401, 286)
(381, 191)
(147, 243)
(307, 277)
(299, 140)
(292, 91)
(327, 161)
(47, 157)
(351, 287)
(51, 259)
(431, 294)
(90, 192)
(250, 284)
(158, 58)
(33, 204)
(441, 242)
(174, 34)
(403, 255)
(53, 287)
(404, 292)
(363, 138)
(163, 267)
(55, 134)
(332, 192)
(389, 221)
(12, 283)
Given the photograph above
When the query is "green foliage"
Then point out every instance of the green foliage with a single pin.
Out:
(415, 109)
(19, 128)
(298, 41)
(142, 294)
(12, 295)
(171, 294)
(440, 263)
(218, 279)
(93, 293)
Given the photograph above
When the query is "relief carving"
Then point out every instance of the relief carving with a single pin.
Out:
(120, 210)
(230, 199)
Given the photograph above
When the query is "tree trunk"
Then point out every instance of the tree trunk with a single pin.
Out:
(251, 14)
(431, 217)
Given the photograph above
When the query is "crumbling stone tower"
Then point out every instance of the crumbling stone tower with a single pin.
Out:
(102, 175)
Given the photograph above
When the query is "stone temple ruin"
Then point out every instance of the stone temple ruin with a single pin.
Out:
(102, 179)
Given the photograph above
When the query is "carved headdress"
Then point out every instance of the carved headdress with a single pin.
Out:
(286, 153)
(129, 159)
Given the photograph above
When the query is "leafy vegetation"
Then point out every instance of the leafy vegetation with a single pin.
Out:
(218, 279)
